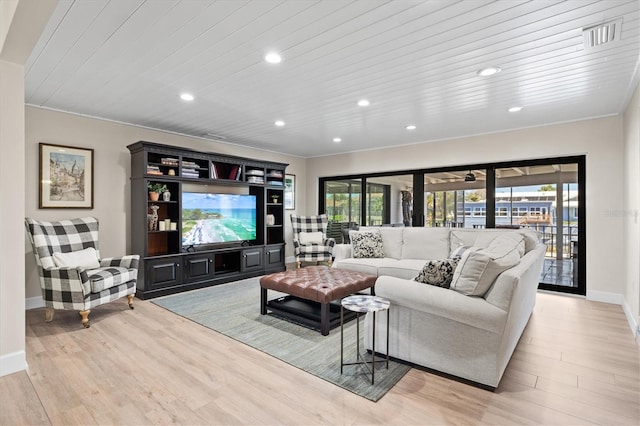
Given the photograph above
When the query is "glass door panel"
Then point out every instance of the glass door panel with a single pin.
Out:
(389, 200)
(343, 205)
(545, 199)
(455, 199)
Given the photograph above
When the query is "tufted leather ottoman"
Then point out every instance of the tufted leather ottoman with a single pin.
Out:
(319, 284)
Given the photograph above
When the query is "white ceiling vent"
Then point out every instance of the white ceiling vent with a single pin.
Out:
(606, 33)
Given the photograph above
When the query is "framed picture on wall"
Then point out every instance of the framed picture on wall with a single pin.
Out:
(66, 177)
(289, 192)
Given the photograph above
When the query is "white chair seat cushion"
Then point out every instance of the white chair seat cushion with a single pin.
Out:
(105, 278)
(87, 258)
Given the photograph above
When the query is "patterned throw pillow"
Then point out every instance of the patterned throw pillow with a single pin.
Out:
(438, 272)
(366, 244)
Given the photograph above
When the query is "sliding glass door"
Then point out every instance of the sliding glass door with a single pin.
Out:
(545, 198)
(545, 195)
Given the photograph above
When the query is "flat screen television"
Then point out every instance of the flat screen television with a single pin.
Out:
(210, 218)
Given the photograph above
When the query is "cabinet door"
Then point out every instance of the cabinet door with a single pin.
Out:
(163, 272)
(198, 267)
(251, 259)
(274, 256)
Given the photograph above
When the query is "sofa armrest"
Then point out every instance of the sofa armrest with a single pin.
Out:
(341, 251)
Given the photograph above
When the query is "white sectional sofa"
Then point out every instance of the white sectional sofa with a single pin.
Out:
(447, 329)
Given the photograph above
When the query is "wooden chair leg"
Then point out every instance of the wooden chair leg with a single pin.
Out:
(48, 314)
(130, 299)
(85, 318)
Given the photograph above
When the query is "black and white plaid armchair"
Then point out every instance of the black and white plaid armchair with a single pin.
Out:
(310, 242)
(72, 275)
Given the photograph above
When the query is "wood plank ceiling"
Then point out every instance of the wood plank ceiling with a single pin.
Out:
(415, 61)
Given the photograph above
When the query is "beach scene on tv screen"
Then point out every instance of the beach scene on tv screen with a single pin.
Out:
(217, 218)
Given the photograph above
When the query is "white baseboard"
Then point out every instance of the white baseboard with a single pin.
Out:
(605, 297)
(633, 323)
(617, 299)
(12, 363)
(34, 302)
(290, 259)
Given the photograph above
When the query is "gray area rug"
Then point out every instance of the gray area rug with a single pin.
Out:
(233, 309)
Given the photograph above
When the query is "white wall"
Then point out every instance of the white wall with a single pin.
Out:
(111, 174)
(12, 329)
(20, 26)
(600, 140)
(631, 210)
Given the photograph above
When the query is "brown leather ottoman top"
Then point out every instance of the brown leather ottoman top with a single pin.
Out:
(318, 283)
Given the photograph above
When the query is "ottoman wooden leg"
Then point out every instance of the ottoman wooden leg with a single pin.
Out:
(324, 319)
(263, 301)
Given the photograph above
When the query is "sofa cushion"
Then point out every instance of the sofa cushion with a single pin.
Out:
(403, 268)
(437, 272)
(425, 243)
(459, 251)
(392, 239)
(365, 244)
(364, 265)
(478, 269)
(484, 237)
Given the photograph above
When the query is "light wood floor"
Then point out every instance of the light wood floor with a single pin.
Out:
(577, 363)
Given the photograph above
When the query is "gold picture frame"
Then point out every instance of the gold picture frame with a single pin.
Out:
(66, 177)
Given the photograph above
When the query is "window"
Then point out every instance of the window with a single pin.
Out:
(479, 211)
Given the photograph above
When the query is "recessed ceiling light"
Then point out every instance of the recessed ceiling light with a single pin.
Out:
(515, 109)
(186, 96)
(336, 140)
(273, 58)
(363, 102)
(279, 123)
(410, 127)
(485, 72)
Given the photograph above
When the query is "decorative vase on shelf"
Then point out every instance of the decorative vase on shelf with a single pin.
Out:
(274, 199)
(166, 196)
(271, 220)
(154, 196)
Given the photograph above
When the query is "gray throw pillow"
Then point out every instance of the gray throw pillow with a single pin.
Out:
(366, 244)
(438, 272)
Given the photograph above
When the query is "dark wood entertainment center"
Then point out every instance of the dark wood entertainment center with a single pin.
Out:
(169, 267)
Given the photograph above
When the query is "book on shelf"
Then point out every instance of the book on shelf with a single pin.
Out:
(254, 172)
(190, 173)
(153, 170)
(233, 172)
(166, 161)
(255, 179)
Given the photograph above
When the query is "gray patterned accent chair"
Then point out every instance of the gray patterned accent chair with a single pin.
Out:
(72, 274)
(310, 242)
